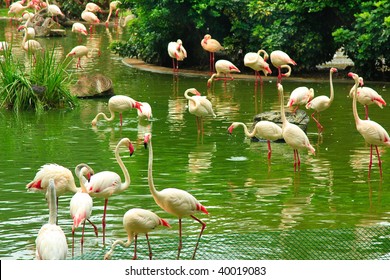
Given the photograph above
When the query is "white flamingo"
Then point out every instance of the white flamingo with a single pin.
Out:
(79, 28)
(92, 7)
(118, 103)
(278, 59)
(258, 63)
(199, 106)
(91, 18)
(267, 130)
(51, 241)
(17, 8)
(146, 112)
(300, 96)
(174, 201)
(81, 204)
(372, 132)
(30, 30)
(136, 221)
(294, 136)
(212, 46)
(322, 102)
(177, 52)
(54, 10)
(114, 6)
(106, 183)
(30, 46)
(367, 96)
(80, 51)
(224, 67)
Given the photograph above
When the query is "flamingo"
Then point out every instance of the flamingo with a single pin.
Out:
(17, 8)
(199, 106)
(79, 28)
(177, 52)
(54, 10)
(92, 7)
(136, 221)
(300, 96)
(372, 132)
(81, 204)
(118, 103)
(114, 6)
(106, 183)
(146, 112)
(322, 102)
(224, 67)
(212, 46)
(258, 63)
(278, 59)
(80, 51)
(293, 134)
(367, 96)
(30, 46)
(89, 17)
(263, 129)
(51, 241)
(30, 30)
(174, 201)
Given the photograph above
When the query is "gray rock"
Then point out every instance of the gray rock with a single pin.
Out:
(94, 85)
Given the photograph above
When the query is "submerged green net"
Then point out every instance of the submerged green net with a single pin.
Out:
(360, 243)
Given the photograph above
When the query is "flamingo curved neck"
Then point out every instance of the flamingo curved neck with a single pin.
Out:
(331, 86)
(152, 188)
(265, 54)
(354, 109)
(191, 98)
(126, 184)
(109, 119)
(246, 131)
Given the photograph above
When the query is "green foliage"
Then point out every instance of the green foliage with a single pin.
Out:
(45, 85)
(367, 40)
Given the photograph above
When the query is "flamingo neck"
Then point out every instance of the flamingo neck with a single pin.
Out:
(191, 98)
(119, 242)
(282, 114)
(152, 188)
(246, 131)
(126, 184)
(354, 109)
(331, 86)
(109, 119)
(265, 54)
(52, 203)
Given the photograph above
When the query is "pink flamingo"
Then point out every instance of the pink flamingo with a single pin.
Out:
(199, 106)
(118, 103)
(293, 134)
(300, 96)
(80, 51)
(224, 67)
(106, 183)
(372, 132)
(81, 204)
(262, 130)
(212, 46)
(174, 201)
(367, 96)
(322, 102)
(17, 8)
(136, 221)
(114, 6)
(51, 241)
(30, 46)
(278, 59)
(79, 28)
(92, 7)
(91, 18)
(258, 63)
(177, 52)
(54, 10)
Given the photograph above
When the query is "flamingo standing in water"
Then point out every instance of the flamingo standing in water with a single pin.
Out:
(224, 67)
(367, 96)
(372, 132)
(174, 201)
(31, 46)
(300, 96)
(118, 103)
(91, 18)
(79, 28)
(212, 46)
(177, 52)
(81, 204)
(106, 183)
(279, 59)
(258, 63)
(54, 10)
(114, 6)
(80, 51)
(136, 221)
(322, 102)
(17, 8)
(263, 129)
(199, 106)
(30, 30)
(51, 240)
(294, 136)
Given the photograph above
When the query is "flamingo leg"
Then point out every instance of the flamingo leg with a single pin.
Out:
(104, 221)
(180, 241)
(94, 227)
(269, 149)
(379, 160)
(82, 237)
(366, 110)
(319, 126)
(198, 123)
(120, 118)
(200, 234)
(149, 247)
(297, 161)
(135, 247)
(173, 65)
(370, 164)
(73, 229)
(279, 75)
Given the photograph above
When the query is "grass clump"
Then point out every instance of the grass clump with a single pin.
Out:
(43, 86)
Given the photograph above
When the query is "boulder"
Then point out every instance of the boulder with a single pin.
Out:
(299, 118)
(92, 85)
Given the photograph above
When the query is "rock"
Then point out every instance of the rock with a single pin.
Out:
(94, 85)
(300, 118)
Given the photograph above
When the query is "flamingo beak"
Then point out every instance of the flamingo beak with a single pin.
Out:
(89, 177)
(165, 223)
(230, 129)
(131, 149)
(146, 140)
(268, 70)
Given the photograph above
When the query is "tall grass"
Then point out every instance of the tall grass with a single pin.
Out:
(45, 85)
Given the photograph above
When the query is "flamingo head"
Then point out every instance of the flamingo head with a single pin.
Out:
(137, 105)
(333, 70)
(130, 146)
(71, 54)
(164, 223)
(147, 139)
(233, 68)
(361, 82)
(21, 27)
(353, 76)
(268, 70)
(231, 127)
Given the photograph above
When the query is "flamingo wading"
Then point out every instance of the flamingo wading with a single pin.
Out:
(258, 63)
(177, 52)
(279, 59)
(212, 46)
(174, 201)
(224, 67)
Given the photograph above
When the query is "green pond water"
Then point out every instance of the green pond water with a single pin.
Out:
(244, 193)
